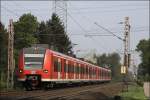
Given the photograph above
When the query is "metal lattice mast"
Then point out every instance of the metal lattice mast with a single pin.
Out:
(10, 68)
(60, 8)
(126, 43)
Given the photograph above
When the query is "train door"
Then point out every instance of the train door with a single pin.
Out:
(74, 67)
(84, 71)
(66, 69)
(55, 67)
(88, 71)
(79, 71)
(69, 69)
(59, 68)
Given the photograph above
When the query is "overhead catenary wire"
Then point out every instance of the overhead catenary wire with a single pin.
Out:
(17, 15)
(80, 26)
(108, 31)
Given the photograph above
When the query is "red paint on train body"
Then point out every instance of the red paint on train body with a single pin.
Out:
(51, 66)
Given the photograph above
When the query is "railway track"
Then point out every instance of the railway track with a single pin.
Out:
(57, 94)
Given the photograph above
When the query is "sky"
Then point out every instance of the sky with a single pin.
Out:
(81, 18)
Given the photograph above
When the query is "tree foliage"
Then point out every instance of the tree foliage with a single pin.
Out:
(144, 48)
(112, 60)
(52, 32)
(28, 31)
(3, 47)
(25, 29)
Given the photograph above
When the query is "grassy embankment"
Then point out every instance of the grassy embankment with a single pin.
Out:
(135, 92)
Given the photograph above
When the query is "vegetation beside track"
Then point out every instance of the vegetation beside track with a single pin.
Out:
(135, 92)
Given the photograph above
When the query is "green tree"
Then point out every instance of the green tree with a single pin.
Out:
(3, 47)
(144, 48)
(102, 60)
(53, 33)
(112, 60)
(25, 30)
(3, 55)
(44, 33)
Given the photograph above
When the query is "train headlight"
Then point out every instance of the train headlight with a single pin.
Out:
(45, 71)
(20, 71)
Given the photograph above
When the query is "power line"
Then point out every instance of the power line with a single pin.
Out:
(108, 6)
(108, 31)
(111, 11)
(97, 43)
(10, 11)
(85, 31)
(82, 28)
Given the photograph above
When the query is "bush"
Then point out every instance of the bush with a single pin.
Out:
(139, 82)
(147, 78)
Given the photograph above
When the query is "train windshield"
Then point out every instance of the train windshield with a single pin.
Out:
(33, 58)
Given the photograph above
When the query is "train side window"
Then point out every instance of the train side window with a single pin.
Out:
(81, 69)
(65, 67)
(59, 65)
(86, 70)
(55, 65)
(69, 68)
(101, 73)
(77, 68)
(72, 68)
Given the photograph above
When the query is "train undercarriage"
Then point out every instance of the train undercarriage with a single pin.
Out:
(33, 82)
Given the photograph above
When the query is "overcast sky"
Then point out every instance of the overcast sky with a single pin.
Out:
(81, 18)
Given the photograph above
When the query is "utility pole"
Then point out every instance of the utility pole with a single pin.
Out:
(126, 51)
(127, 43)
(60, 8)
(10, 68)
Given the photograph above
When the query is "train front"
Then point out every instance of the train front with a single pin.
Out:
(32, 67)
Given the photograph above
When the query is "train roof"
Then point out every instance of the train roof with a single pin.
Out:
(75, 59)
(64, 56)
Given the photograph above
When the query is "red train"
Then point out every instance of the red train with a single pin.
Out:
(40, 67)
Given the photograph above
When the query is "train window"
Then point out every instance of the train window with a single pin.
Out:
(69, 68)
(77, 69)
(81, 69)
(72, 68)
(89, 72)
(65, 67)
(57, 65)
(101, 73)
(86, 70)
(33, 57)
